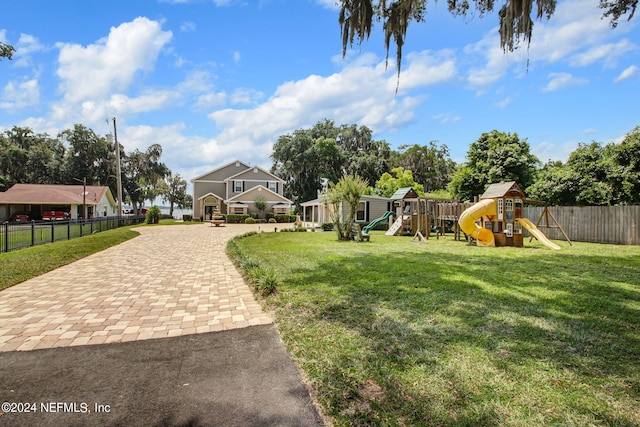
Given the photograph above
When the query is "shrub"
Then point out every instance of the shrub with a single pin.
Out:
(295, 229)
(153, 215)
(250, 220)
(272, 220)
(327, 226)
(264, 279)
(267, 283)
(236, 218)
(187, 217)
(285, 218)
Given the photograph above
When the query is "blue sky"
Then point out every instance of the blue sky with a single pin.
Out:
(217, 80)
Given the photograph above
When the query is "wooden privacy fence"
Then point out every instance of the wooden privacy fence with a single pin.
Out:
(596, 224)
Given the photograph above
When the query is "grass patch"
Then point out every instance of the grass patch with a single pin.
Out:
(20, 265)
(396, 333)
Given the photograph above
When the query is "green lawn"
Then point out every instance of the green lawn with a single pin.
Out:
(399, 333)
(20, 265)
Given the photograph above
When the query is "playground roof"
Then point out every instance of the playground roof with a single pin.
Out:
(402, 193)
(500, 189)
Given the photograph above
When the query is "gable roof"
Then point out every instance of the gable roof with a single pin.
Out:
(53, 194)
(500, 189)
(259, 188)
(401, 193)
(219, 168)
(250, 170)
(204, 196)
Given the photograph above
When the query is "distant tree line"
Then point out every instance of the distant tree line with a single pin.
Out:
(595, 174)
(309, 159)
(79, 154)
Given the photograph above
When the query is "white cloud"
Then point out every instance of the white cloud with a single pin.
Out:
(627, 73)
(504, 103)
(575, 34)
(211, 100)
(546, 151)
(447, 118)
(494, 62)
(576, 25)
(236, 57)
(329, 4)
(188, 27)
(363, 92)
(427, 68)
(26, 45)
(111, 64)
(20, 95)
(607, 52)
(245, 96)
(561, 81)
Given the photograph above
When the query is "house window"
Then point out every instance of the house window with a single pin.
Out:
(273, 186)
(361, 213)
(500, 209)
(237, 186)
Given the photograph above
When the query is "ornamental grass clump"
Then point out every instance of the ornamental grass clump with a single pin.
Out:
(263, 279)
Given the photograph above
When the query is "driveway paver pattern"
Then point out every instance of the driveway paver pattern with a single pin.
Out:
(170, 281)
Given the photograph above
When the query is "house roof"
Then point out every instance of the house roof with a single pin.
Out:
(204, 196)
(50, 194)
(221, 167)
(500, 189)
(250, 168)
(323, 198)
(259, 188)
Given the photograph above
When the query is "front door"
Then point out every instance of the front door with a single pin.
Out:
(210, 205)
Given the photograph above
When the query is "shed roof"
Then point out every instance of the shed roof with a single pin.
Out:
(49, 194)
(500, 189)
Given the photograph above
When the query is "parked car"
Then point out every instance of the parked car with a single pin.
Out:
(19, 217)
(55, 215)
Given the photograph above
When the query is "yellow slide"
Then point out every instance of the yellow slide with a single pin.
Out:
(468, 224)
(535, 232)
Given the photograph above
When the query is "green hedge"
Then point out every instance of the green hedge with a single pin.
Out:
(236, 218)
(285, 218)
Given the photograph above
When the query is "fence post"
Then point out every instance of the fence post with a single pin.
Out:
(53, 231)
(33, 232)
(69, 229)
(6, 236)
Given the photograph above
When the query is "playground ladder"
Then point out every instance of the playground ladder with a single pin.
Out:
(396, 226)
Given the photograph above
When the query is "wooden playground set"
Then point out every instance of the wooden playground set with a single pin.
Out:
(497, 219)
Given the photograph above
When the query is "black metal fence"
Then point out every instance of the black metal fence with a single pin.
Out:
(15, 236)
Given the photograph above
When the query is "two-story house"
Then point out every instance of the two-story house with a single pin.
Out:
(234, 189)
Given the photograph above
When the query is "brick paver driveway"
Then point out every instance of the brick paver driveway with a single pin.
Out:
(170, 281)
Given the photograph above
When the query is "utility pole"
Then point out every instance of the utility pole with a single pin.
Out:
(119, 176)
